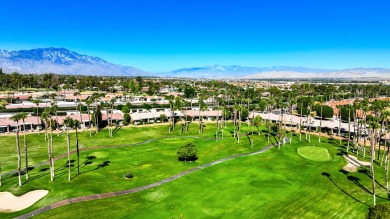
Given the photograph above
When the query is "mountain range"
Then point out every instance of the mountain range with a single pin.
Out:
(61, 61)
(64, 61)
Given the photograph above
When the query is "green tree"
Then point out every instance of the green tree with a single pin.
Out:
(187, 152)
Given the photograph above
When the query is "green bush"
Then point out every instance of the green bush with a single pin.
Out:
(305, 111)
(327, 111)
(187, 152)
(126, 119)
(128, 175)
(380, 211)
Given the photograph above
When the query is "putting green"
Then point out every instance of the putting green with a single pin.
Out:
(175, 140)
(314, 153)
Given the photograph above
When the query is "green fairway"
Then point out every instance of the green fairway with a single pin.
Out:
(278, 183)
(314, 153)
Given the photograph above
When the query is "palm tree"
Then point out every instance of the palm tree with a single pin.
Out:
(0, 175)
(16, 119)
(36, 102)
(387, 128)
(50, 112)
(319, 133)
(76, 124)
(68, 122)
(55, 112)
(23, 116)
(339, 129)
(374, 125)
(89, 102)
(112, 110)
(349, 107)
(202, 107)
(310, 104)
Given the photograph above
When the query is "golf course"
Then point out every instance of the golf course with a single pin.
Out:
(227, 180)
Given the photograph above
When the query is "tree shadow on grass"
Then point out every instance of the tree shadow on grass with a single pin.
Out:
(117, 128)
(345, 192)
(103, 164)
(365, 171)
(356, 181)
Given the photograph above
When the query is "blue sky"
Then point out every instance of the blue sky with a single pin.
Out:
(165, 35)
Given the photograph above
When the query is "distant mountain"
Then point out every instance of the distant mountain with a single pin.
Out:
(354, 73)
(277, 72)
(234, 71)
(62, 61)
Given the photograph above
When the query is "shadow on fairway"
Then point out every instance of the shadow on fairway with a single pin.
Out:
(117, 128)
(330, 178)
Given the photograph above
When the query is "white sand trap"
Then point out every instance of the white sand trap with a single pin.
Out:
(354, 163)
(11, 203)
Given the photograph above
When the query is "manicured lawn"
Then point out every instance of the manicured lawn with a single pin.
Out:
(314, 153)
(274, 184)
(102, 169)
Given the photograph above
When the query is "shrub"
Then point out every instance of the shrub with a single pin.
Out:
(380, 211)
(327, 111)
(305, 111)
(128, 175)
(126, 119)
(187, 152)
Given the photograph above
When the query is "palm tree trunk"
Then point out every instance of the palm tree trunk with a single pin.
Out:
(78, 152)
(19, 156)
(300, 124)
(57, 125)
(52, 152)
(372, 166)
(38, 119)
(68, 141)
(319, 133)
(349, 127)
(89, 121)
(0, 175)
(25, 148)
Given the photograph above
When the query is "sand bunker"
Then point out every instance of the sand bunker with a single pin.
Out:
(11, 203)
(354, 163)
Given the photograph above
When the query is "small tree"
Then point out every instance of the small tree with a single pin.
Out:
(327, 111)
(187, 152)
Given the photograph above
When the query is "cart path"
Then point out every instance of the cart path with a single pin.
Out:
(137, 189)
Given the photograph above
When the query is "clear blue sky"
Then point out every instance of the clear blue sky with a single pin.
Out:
(166, 35)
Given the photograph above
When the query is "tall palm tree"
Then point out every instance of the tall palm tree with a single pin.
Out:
(310, 105)
(76, 125)
(387, 128)
(349, 107)
(89, 102)
(202, 107)
(23, 117)
(112, 101)
(374, 125)
(68, 122)
(36, 102)
(319, 133)
(55, 112)
(16, 119)
(50, 112)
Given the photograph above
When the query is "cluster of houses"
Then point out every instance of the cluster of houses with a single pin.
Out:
(69, 100)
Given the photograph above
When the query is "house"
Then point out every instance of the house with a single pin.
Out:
(7, 125)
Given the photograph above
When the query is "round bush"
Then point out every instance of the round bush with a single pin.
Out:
(128, 175)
